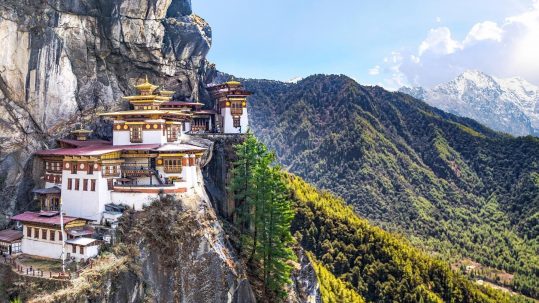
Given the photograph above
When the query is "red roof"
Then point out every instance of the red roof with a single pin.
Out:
(94, 150)
(79, 143)
(9, 235)
(205, 111)
(48, 218)
(180, 103)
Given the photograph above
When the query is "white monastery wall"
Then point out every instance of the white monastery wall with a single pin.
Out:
(152, 137)
(120, 138)
(228, 122)
(42, 248)
(89, 252)
(133, 200)
(85, 204)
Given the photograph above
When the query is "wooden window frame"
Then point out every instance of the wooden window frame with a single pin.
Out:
(81, 250)
(74, 249)
(28, 232)
(92, 185)
(85, 184)
(60, 236)
(36, 233)
(135, 134)
(172, 165)
(172, 133)
(77, 184)
(52, 234)
(74, 167)
(236, 108)
(43, 234)
(236, 122)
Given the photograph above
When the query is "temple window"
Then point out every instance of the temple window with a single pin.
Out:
(55, 203)
(92, 185)
(73, 168)
(90, 168)
(173, 165)
(74, 249)
(85, 184)
(135, 133)
(172, 133)
(28, 231)
(236, 108)
(52, 233)
(77, 184)
(44, 234)
(236, 122)
(69, 183)
(81, 250)
(36, 233)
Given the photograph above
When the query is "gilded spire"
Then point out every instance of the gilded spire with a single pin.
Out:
(232, 81)
(146, 88)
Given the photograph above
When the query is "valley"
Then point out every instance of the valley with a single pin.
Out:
(447, 183)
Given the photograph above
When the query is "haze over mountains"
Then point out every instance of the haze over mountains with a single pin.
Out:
(508, 105)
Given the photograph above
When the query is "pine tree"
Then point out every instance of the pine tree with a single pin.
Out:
(242, 185)
(264, 213)
(278, 217)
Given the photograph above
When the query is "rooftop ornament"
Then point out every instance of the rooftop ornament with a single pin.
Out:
(146, 88)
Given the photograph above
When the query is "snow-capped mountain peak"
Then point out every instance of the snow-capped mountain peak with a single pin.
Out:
(510, 105)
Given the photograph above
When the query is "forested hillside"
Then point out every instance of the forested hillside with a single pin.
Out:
(361, 262)
(447, 183)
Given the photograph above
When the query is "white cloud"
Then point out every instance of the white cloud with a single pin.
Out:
(505, 49)
(374, 71)
(487, 30)
(438, 19)
(439, 41)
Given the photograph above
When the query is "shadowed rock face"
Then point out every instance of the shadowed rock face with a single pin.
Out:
(64, 60)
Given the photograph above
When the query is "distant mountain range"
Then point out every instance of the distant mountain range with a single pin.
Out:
(508, 105)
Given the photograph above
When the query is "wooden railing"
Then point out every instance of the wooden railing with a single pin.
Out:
(236, 111)
(173, 168)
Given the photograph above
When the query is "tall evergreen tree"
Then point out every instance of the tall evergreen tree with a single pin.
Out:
(264, 213)
(242, 185)
(277, 237)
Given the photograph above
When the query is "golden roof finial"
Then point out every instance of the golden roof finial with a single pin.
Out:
(146, 88)
(232, 81)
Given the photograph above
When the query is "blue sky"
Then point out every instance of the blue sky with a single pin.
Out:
(390, 43)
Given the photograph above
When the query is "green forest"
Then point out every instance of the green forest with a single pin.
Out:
(333, 289)
(354, 256)
(447, 184)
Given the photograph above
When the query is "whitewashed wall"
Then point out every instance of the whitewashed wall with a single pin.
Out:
(89, 252)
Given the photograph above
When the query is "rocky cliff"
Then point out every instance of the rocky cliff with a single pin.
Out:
(64, 60)
(176, 250)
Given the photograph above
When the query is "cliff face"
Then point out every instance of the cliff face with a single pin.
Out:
(64, 60)
(176, 250)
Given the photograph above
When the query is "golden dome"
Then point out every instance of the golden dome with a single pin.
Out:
(234, 83)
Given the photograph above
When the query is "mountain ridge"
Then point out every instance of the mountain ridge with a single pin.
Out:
(510, 105)
(438, 178)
